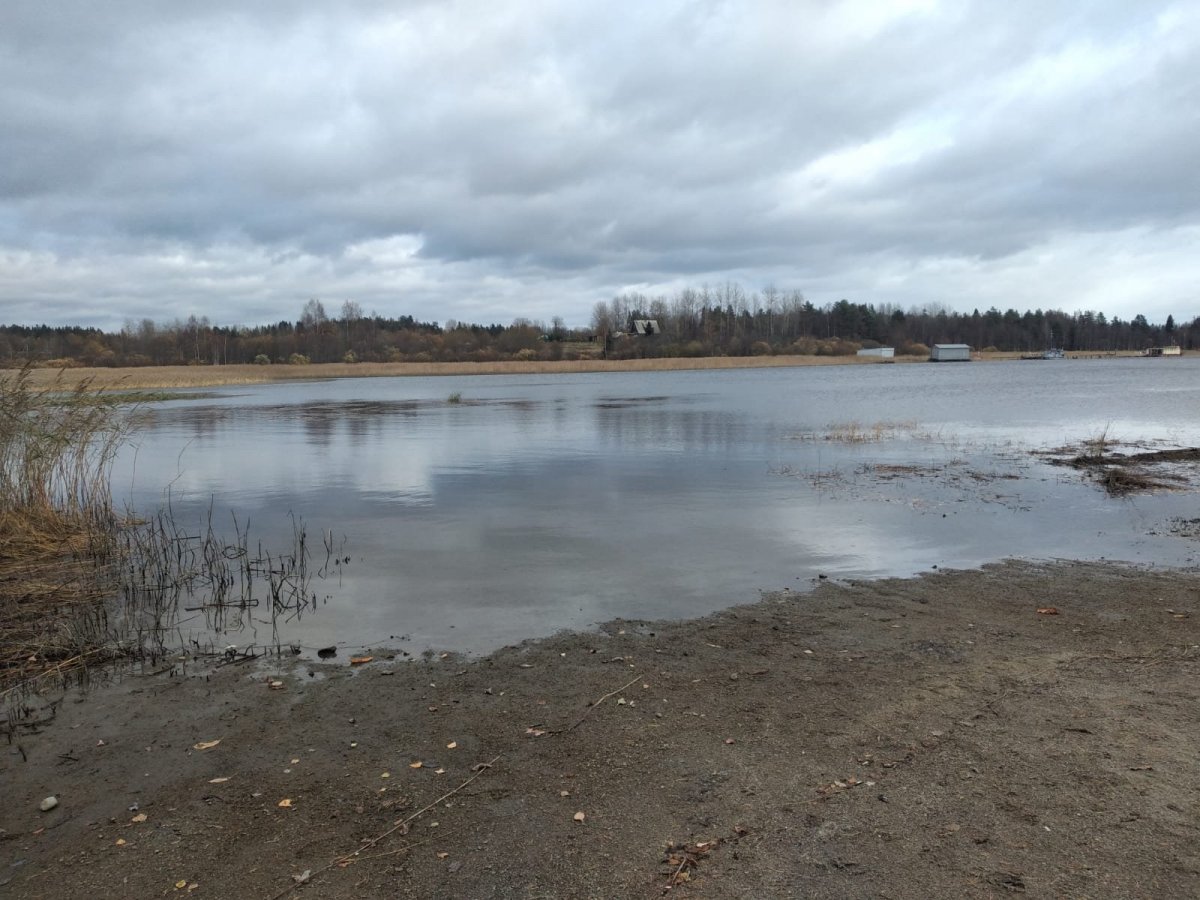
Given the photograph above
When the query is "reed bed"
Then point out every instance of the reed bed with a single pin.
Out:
(169, 377)
(81, 585)
(57, 527)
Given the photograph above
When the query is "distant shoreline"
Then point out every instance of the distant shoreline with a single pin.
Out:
(144, 377)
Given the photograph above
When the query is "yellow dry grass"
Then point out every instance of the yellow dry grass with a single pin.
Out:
(166, 377)
(160, 377)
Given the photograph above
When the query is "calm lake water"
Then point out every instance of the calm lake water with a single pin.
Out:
(546, 502)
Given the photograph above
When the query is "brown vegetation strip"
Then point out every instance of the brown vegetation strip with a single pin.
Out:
(214, 376)
(1120, 474)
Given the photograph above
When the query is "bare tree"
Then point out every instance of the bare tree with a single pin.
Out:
(313, 313)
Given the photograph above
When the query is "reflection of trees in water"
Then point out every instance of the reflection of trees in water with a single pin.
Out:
(319, 424)
(205, 421)
(621, 422)
(616, 419)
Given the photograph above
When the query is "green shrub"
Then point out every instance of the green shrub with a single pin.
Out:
(262, 360)
(298, 359)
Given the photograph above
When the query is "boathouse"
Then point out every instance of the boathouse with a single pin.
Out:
(950, 353)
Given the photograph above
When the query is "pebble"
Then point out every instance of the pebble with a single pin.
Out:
(48, 804)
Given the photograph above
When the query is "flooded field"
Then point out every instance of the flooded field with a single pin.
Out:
(476, 511)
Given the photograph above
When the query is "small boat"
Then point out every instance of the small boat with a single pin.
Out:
(1052, 353)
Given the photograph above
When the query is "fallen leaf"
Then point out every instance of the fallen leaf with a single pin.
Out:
(564, 793)
(140, 817)
(1047, 610)
(579, 817)
(452, 745)
(526, 665)
(730, 741)
(416, 765)
(439, 771)
(442, 855)
(285, 803)
(360, 660)
(275, 685)
(534, 732)
(180, 885)
(303, 877)
(120, 842)
(206, 745)
(386, 775)
(220, 780)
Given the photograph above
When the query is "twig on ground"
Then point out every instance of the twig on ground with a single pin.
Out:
(402, 824)
(597, 703)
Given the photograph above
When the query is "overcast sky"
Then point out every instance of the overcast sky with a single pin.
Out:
(485, 160)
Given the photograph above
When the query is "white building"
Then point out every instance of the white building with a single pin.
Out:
(882, 352)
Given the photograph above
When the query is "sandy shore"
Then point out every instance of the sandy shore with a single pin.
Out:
(933, 737)
(165, 377)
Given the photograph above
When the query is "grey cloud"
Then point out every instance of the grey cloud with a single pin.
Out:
(541, 153)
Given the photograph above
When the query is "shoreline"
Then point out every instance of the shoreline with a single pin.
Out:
(930, 736)
(166, 377)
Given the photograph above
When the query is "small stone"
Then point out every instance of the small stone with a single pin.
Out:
(48, 804)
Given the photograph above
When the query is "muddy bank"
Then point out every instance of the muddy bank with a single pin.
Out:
(902, 738)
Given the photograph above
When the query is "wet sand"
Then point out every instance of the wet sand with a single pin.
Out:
(926, 737)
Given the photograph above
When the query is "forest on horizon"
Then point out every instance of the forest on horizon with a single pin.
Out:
(691, 323)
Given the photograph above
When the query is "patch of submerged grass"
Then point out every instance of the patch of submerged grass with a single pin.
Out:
(139, 397)
(1120, 473)
(858, 433)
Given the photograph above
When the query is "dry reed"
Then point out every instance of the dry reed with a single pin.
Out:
(80, 585)
(167, 377)
(57, 527)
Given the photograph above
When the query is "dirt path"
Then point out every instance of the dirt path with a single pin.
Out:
(903, 738)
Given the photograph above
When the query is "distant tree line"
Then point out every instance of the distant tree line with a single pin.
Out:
(693, 322)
